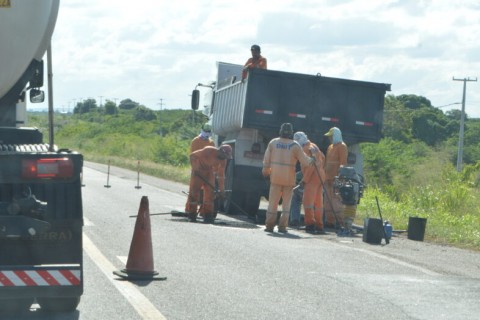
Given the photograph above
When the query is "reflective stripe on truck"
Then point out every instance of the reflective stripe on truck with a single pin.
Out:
(40, 276)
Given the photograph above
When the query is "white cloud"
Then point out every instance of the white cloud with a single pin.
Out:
(152, 50)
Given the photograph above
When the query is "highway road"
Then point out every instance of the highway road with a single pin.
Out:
(234, 270)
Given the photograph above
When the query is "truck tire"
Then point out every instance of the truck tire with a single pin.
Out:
(233, 203)
(68, 304)
(251, 204)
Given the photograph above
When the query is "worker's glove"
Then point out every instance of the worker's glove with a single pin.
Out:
(298, 191)
(312, 161)
(266, 172)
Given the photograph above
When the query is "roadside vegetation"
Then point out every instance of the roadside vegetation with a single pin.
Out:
(412, 170)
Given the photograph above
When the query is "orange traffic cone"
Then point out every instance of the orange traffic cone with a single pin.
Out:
(140, 258)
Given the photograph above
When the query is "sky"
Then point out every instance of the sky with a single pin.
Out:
(155, 52)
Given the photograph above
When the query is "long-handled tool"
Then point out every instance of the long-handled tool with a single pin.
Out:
(173, 213)
(383, 227)
(215, 190)
(326, 194)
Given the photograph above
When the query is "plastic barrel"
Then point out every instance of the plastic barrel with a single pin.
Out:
(416, 228)
(388, 230)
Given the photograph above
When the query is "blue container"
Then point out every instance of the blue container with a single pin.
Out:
(388, 229)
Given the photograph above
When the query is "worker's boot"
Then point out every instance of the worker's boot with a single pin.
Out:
(208, 218)
(192, 217)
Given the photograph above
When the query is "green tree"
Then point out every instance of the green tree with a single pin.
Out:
(397, 120)
(412, 101)
(142, 113)
(85, 106)
(128, 104)
(110, 107)
(429, 125)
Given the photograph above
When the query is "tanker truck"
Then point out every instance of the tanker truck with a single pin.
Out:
(247, 114)
(41, 215)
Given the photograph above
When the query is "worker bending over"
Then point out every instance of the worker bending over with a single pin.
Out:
(207, 163)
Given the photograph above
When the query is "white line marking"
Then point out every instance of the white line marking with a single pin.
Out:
(138, 301)
(87, 222)
(123, 259)
(393, 260)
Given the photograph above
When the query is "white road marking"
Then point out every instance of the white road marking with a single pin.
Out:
(87, 222)
(123, 259)
(139, 302)
(394, 260)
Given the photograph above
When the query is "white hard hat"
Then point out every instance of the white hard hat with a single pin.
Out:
(300, 137)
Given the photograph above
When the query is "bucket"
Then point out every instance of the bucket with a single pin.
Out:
(372, 231)
(416, 228)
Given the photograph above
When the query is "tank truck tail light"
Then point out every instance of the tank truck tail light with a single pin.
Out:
(47, 168)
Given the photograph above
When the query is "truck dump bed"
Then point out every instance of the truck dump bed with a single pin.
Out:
(312, 104)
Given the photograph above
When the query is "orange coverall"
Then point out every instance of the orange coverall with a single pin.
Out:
(205, 165)
(199, 143)
(336, 157)
(313, 187)
(279, 163)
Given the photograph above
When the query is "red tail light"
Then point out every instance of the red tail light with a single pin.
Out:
(48, 168)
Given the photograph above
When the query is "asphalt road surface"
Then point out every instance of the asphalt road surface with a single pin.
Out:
(234, 270)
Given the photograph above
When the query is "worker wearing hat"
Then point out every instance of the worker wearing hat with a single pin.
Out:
(199, 142)
(207, 163)
(256, 61)
(313, 178)
(336, 156)
(279, 162)
(203, 139)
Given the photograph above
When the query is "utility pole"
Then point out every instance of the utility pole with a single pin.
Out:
(160, 117)
(100, 100)
(462, 124)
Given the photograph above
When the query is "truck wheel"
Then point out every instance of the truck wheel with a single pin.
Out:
(59, 304)
(15, 306)
(233, 203)
(252, 203)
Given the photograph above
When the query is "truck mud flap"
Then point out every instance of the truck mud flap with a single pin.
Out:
(41, 281)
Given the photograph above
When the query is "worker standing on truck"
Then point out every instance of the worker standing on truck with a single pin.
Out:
(313, 178)
(256, 61)
(279, 162)
(337, 153)
(207, 163)
(198, 143)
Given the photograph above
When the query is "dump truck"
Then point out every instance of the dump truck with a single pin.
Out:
(248, 113)
(41, 215)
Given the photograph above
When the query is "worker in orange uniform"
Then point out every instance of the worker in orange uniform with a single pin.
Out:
(337, 153)
(279, 162)
(256, 61)
(200, 142)
(203, 139)
(313, 178)
(207, 163)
